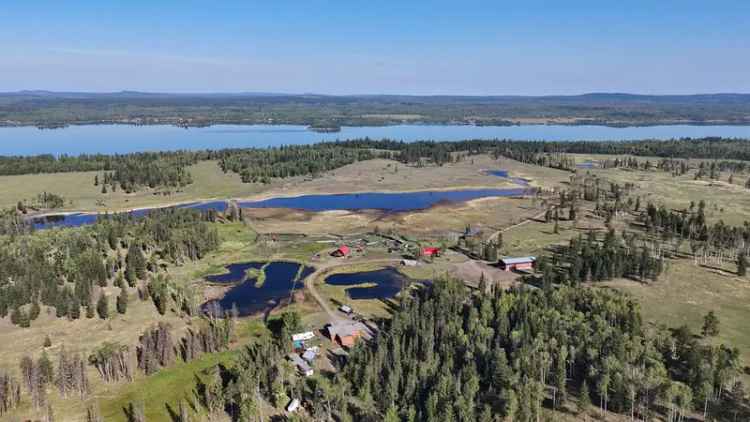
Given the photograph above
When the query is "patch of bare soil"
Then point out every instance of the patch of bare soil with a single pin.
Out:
(472, 271)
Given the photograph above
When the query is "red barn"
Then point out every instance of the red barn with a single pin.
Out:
(513, 264)
(343, 250)
(431, 252)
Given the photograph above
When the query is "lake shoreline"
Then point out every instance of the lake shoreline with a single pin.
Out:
(511, 122)
(262, 197)
(120, 138)
(477, 193)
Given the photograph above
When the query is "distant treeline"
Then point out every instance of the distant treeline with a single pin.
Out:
(48, 163)
(50, 109)
(706, 148)
(131, 172)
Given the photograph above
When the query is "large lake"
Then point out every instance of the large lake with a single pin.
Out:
(75, 140)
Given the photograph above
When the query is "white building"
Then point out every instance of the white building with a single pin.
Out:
(293, 406)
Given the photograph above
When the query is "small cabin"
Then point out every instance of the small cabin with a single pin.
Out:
(409, 262)
(345, 333)
(524, 263)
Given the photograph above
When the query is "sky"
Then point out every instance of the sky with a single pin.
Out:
(376, 47)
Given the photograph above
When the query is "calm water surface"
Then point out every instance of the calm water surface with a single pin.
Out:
(388, 282)
(282, 278)
(383, 201)
(82, 219)
(110, 139)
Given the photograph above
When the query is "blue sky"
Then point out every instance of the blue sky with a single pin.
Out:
(376, 47)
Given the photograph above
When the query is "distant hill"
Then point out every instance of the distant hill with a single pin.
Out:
(46, 108)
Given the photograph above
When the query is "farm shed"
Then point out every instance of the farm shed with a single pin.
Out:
(520, 263)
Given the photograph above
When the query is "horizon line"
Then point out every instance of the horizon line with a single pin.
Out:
(298, 94)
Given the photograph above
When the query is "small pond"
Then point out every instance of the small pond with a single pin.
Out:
(588, 164)
(388, 282)
(281, 279)
(384, 201)
(504, 174)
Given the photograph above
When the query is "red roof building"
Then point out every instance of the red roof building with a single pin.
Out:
(343, 250)
(346, 333)
(431, 252)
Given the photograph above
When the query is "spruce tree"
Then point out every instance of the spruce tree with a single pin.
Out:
(89, 310)
(35, 311)
(122, 300)
(102, 306)
(742, 265)
(710, 325)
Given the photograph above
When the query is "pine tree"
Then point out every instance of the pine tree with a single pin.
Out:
(34, 311)
(391, 415)
(102, 306)
(89, 310)
(46, 368)
(122, 300)
(710, 325)
(742, 265)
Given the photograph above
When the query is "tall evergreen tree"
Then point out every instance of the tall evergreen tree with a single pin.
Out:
(102, 306)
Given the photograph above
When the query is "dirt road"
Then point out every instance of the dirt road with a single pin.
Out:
(322, 270)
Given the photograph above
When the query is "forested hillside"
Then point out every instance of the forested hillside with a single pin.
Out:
(66, 269)
(51, 109)
(449, 355)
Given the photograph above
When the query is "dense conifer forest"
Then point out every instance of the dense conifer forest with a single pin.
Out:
(261, 165)
(66, 269)
(450, 354)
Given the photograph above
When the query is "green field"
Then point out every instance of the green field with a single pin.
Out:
(78, 189)
(725, 201)
(686, 293)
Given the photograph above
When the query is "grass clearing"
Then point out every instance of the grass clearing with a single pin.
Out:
(78, 189)
(209, 182)
(727, 202)
(164, 390)
(686, 293)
